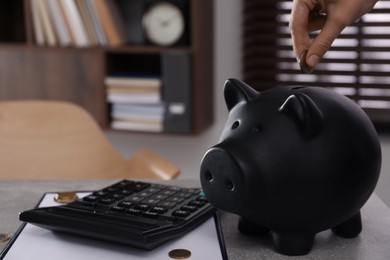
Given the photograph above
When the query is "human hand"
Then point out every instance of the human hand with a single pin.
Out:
(329, 16)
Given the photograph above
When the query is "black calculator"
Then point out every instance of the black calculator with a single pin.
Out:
(139, 214)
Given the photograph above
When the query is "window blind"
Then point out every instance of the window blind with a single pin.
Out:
(357, 65)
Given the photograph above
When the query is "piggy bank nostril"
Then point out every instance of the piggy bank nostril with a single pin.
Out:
(257, 128)
(235, 124)
(209, 176)
(229, 185)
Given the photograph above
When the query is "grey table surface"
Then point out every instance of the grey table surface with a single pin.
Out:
(373, 243)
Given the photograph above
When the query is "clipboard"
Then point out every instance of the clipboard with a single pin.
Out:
(32, 242)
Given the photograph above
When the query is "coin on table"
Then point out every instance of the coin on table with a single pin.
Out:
(4, 237)
(65, 197)
(179, 254)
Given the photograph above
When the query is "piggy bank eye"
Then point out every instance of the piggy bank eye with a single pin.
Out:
(257, 128)
(235, 124)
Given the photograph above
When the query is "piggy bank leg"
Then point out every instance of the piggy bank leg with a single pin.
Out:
(293, 243)
(349, 228)
(249, 228)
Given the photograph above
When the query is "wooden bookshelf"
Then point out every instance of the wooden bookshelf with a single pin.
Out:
(76, 74)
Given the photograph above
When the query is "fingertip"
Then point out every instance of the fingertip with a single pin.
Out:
(313, 60)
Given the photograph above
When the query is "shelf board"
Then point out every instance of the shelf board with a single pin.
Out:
(143, 49)
(118, 49)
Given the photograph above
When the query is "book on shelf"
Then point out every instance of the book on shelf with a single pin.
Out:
(138, 125)
(133, 89)
(96, 22)
(119, 21)
(59, 23)
(67, 23)
(45, 20)
(129, 80)
(138, 111)
(137, 89)
(87, 20)
(134, 97)
(37, 24)
(138, 117)
(111, 22)
(81, 23)
(75, 22)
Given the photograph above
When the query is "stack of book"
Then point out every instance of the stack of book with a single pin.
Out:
(79, 23)
(136, 102)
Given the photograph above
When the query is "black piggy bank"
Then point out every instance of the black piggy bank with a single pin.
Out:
(292, 161)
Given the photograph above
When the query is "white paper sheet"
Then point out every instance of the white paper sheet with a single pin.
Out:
(38, 243)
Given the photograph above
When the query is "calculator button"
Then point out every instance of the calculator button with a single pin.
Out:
(117, 208)
(100, 193)
(152, 190)
(167, 204)
(91, 198)
(184, 195)
(158, 209)
(125, 203)
(106, 201)
(150, 201)
(134, 212)
(123, 183)
(196, 203)
(167, 192)
(144, 194)
(180, 213)
(117, 196)
(138, 186)
(176, 199)
(110, 189)
(150, 214)
(136, 198)
(126, 192)
(159, 197)
(174, 188)
(143, 207)
(189, 208)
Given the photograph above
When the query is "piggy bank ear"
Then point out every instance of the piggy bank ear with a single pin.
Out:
(307, 114)
(236, 91)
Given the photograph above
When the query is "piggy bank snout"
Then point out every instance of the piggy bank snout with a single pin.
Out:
(221, 179)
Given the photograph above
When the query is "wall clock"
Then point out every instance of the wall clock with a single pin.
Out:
(163, 23)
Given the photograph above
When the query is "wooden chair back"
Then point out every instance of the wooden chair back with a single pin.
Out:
(60, 140)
